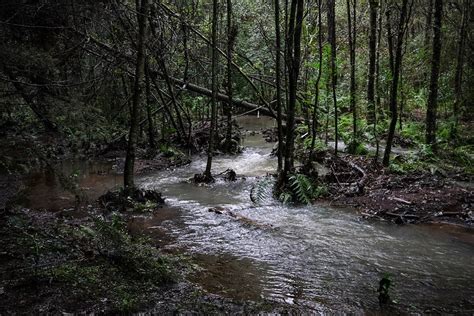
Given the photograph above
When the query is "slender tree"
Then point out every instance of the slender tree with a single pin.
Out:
(137, 91)
(372, 62)
(318, 78)
(458, 93)
(435, 63)
(295, 26)
(215, 56)
(278, 84)
(351, 22)
(149, 101)
(331, 15)
(395, 78)
(231, 35)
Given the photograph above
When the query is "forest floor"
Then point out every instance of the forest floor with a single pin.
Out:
(414, 197)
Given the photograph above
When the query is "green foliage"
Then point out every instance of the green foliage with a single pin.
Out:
(262, 190)
(286, 197)
(301, 187)
(413, 131)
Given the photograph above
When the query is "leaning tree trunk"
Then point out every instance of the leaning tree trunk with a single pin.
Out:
(435, 63)
(128, 180)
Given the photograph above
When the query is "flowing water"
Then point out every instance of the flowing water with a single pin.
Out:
(314, 256)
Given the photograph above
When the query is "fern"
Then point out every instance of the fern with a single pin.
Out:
(285, 197)
(261, 191)
(302, 188)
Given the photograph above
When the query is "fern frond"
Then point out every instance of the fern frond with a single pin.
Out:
(262, 190)
(301, 187)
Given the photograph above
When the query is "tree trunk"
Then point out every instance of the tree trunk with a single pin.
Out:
(151, 125)
(332, 41)
(318, 78)
(278, 83)
(231, 35)
(351, 19)
(435, 63)
(128, 180)
(457, 107)
(215, 56)
(372, 61)
(395, 79)
(293, 63)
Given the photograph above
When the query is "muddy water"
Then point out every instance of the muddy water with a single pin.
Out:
(315, 256)
(45, 191)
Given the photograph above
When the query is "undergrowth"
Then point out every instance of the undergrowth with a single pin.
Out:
(98, 264)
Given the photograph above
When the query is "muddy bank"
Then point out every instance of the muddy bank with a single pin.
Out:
(415, 197)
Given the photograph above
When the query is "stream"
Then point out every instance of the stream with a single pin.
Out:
(317, 257)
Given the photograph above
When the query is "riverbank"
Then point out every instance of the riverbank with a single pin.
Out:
(403, 198)
(70, 261)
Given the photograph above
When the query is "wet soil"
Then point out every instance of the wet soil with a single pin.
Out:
(419, 197)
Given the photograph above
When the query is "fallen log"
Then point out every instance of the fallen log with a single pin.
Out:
(264, 109)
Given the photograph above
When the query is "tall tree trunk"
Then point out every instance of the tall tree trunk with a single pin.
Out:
(428, 26)
(372, 61)
(215, 56)
(332, 41)
(231, 35)
(151, 125)
(278, 84)
(378, 98)
(128, 180)
(351, 19)
(457, 107)
(318, 78)
(293, 64)
(435, 63)
(395, 79)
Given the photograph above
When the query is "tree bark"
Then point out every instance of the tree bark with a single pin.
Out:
(318, 78)
(458, 94)
(231, 35)
(215, 56)
(395, 79)
(278, 84)
(128, 175)
(372, 60)
(293, 63)
(332, 41)
(435, 63)
(151, 125)
(351, 19)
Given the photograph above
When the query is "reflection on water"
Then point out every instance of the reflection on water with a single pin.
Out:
(44, 189)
